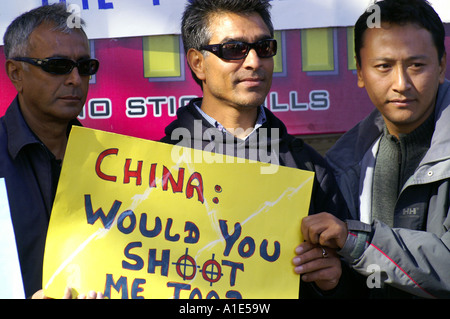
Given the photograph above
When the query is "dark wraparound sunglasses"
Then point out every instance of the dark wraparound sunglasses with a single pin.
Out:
(62, 66)
(237, 50)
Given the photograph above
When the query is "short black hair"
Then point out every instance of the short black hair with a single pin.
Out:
(197, 14)
(402, 12)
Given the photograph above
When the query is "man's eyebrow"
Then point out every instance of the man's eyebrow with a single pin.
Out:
(86, 56)
(388, 59)
(418, 57)
(242, 39)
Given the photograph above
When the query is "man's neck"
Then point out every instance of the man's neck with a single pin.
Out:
(404, 129)
(52, 134)
(239, 121)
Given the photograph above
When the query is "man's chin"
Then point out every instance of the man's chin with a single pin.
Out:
(69, 112)
(253, 100)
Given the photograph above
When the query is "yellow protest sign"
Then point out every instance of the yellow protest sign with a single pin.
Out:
(140, 219)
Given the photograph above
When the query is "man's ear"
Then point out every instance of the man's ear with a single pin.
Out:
(359, 74)
(196, 62)
(443, 68)
(14, 70)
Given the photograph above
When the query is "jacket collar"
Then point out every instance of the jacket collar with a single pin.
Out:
(440, 143)
(19, 133)
(351, 148)
(187, 114)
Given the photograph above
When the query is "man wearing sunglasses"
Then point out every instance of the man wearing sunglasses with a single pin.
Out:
(49, 64)
(229, 47)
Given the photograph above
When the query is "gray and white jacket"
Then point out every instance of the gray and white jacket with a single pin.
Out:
(414, 255)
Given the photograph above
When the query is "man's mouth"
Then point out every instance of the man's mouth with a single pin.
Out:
(401, 102)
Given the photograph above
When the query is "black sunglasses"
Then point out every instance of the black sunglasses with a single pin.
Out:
(62, 66)
(237, 50)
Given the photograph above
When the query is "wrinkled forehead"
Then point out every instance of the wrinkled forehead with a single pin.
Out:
(48, 41)
(225, 26)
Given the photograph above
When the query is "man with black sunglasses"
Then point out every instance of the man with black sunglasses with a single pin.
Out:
(49, 64)
(229, 47)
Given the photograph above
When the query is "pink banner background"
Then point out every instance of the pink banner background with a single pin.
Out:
(121, 76)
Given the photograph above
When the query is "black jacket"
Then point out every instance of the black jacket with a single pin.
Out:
(190, 129)
(292, 152)
(31, 174)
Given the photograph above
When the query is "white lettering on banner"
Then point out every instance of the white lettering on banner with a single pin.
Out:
(137, 107)
(319, 100)
(100, 108)
(97, 109)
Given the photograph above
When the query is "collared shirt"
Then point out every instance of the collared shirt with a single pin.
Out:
(31, 174)
(260, 120)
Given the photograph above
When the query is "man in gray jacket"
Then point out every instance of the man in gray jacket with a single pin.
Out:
(394, 166)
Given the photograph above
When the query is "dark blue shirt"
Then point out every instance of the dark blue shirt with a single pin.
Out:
(31, 174)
